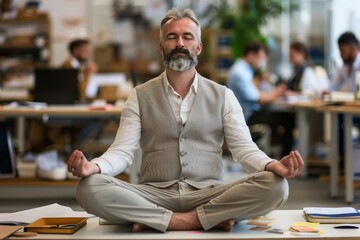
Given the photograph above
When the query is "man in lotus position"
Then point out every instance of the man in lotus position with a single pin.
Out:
(180, 120)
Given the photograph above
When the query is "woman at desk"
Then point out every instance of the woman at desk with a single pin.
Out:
(304, 78)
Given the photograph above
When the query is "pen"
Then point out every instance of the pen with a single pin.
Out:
(63, 226)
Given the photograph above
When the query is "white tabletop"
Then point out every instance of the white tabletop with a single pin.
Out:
(283, 220)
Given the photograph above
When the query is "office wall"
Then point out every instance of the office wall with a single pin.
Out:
(68, 21)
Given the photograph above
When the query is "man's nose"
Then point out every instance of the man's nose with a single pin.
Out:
(180, 43)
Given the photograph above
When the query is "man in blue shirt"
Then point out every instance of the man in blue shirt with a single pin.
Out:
(252, 99)
(241, 77)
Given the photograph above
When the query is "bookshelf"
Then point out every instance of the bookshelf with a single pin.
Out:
(221, 57)
(24, 44)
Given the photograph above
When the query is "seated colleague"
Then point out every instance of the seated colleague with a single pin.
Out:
(241, 76)
(80, 58)
(344, 78)
(180, 120)
(304, 78)
(253, 101)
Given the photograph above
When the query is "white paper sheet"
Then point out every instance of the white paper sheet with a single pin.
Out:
(31, 215)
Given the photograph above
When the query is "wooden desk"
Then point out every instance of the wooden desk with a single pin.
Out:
(283, 220)
(21, 113)
(71, 112)
(38, 182)
(349, 112)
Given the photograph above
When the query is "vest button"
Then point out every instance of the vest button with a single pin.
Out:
(184, 164)
(182, 153)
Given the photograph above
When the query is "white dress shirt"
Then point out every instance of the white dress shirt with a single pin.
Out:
(120, 154)
(311, 82)
(74, 63)
(342, 81)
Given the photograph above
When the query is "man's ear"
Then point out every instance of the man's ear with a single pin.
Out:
(161, 49)
(199, 49)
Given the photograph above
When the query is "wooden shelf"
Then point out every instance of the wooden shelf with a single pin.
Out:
(315, 162)
(40, 18)
(18, 46)
(36, 182)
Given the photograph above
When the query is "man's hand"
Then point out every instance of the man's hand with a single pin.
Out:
(288, 167)
(274, 95)
(79, 166)
(91, 68)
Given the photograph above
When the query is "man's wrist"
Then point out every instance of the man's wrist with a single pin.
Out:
(269, 165)
(96, 168)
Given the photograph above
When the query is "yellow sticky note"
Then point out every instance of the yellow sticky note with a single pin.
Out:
(305, 224)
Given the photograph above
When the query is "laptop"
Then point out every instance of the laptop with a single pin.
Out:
(7, 155)
(56, 86)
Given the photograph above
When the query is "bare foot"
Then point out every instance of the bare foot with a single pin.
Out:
(185, 221)
(190, 221)
(227, 225)
(138, 227)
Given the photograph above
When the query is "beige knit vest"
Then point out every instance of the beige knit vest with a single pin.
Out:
(172, 152)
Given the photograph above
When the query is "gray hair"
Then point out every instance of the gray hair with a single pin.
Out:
(176, 13)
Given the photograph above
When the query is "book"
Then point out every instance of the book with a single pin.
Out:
(332, 215)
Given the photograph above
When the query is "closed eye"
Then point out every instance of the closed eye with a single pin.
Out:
(188, 36)
(171, 36)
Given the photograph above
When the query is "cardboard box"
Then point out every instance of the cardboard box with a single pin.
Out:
(26, 169)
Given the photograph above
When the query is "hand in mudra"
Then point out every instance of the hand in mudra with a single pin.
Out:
(79, 166)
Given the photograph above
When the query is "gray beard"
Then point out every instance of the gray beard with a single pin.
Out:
(180, 64)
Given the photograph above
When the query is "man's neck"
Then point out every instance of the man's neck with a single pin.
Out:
(247, 60)
(181, 81)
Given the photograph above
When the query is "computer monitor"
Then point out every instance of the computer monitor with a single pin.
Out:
(56, 86)
(7, 155)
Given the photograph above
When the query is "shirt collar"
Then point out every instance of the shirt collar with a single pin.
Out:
(74, 62)
(247, 65)
(167, 85)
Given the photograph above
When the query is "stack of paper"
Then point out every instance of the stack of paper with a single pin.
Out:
(332, 215)
(27, 216)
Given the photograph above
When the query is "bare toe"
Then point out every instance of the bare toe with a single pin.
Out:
(227, 225)
(137, 227)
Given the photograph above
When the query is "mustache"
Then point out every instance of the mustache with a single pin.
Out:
(179, 50)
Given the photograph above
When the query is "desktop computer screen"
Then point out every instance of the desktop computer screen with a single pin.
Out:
(56, 86)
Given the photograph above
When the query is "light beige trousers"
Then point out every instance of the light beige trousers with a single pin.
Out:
(121, 202)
